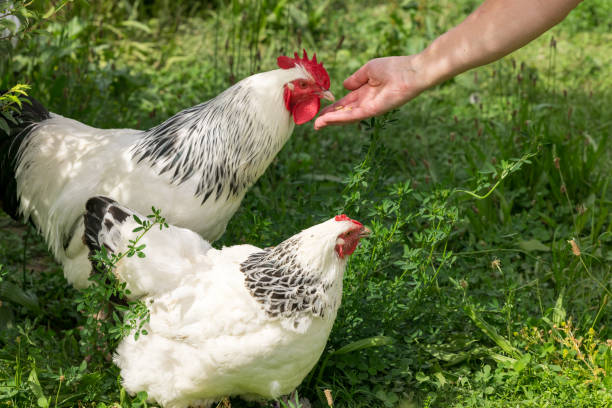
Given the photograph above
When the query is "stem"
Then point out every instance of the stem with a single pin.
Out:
(603, 305)
(437, 271)
(58, 391)
(505, 173)
(486, 251)
(569, 202)
(593, 277)
(429, 257)
(18, 365)
(481, 197)
(133, 245)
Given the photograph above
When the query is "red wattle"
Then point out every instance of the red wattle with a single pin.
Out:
(305, 110)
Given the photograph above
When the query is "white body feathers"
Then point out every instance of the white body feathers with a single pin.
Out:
(209, 338)
(211, 334)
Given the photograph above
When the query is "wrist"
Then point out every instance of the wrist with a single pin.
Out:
(436, 64)
(414, 73)
(422, 67)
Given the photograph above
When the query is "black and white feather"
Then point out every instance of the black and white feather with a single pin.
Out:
(103, 219)
(283, 285)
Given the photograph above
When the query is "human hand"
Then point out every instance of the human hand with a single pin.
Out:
(380, 85)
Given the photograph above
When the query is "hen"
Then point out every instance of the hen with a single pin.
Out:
(237, 321)
(195, 166)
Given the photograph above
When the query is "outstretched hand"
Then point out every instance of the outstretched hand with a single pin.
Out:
(380, 85)
(486, 35)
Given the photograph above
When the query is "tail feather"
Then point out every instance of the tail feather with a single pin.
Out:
(103, 220)
(32, 112)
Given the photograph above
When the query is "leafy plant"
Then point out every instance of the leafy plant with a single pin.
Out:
(109, 316)
(11, 104)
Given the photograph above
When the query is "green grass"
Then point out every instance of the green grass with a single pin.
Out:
(467, 302)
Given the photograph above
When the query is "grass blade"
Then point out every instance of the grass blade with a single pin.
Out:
(15, 294)
(375, 341)
(491, 333)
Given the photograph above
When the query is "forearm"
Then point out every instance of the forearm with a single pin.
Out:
(495, 29)
(492, 31)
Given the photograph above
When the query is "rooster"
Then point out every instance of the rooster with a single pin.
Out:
(237, 321)
(196, 166)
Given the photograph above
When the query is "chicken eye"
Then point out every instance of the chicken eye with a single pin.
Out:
(302, 84)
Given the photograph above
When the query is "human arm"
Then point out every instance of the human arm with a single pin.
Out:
(493, 30)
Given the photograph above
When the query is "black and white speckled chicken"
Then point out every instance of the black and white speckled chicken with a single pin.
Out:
(237, 321)
(195, 166)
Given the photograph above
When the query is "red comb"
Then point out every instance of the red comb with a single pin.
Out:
(344, 217)
(316, 70)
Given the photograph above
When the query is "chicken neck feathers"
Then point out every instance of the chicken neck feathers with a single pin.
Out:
(286, 287)
(225, 161)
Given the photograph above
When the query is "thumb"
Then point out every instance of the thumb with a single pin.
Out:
(359, 78)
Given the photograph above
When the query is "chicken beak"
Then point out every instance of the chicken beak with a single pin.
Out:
(365, 232)
(327, 95)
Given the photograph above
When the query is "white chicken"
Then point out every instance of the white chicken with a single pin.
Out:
(195, 166)
(237, 321)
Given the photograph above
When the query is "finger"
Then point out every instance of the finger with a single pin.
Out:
(359, 78)
(346, 100)
(340, 117)
(329, 108)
